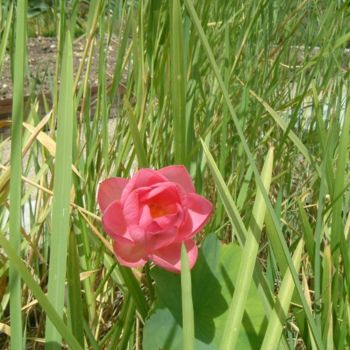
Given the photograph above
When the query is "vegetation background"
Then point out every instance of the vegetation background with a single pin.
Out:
(252, 96)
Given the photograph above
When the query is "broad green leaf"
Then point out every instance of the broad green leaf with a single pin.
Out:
(213, 283)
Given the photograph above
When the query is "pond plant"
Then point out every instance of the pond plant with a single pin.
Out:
(193, 194)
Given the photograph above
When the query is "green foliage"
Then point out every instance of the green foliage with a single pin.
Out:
(214, 85)
(213, 283)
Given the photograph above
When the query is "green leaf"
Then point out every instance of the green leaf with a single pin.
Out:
(204, 40)
(213, 284)
(187, 303)
(5, 36)
(139, 147)
(178, 81)
(16, 171)
(75, 309)
(61, 198)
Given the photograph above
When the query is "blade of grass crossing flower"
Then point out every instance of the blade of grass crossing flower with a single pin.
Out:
(178, 84)
(38, 294)
(284, 248)
(187, 303)
(16, 173)
(280, 311)
(245, 272)
(61, 198)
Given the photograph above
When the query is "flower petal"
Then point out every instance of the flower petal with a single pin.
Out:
(128, 253)
(169, 257)
(174, 220)
(158, 240)
(179, 175)
(199, 210)
(143, 178)
(186, 228)
(110, 190)
(113, 220)
(131, 209)
(145, 217)
(165, 192)
(138, 235)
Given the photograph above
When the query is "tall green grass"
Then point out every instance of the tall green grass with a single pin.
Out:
(214, 85)
(17, 339)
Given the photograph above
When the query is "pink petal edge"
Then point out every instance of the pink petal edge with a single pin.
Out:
(179, 175)
(113, 220)
(169, 258)
(143, 178)
(128, 253)
(199, 209)
(110, 190)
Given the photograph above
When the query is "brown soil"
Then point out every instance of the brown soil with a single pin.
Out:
(42, 54)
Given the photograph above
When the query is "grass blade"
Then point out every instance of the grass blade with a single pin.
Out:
(187, 303)
(275, 327)
(225, 196)
(283, 125)
(338, 242)
(75, 309)
(16, 173)
(135, 291)
(5, 36)
(178, 84)
(39, 294)
(327, 317)
(238, 225)
(136, 136)
(245, 273)
(61, 199)
(284, 248)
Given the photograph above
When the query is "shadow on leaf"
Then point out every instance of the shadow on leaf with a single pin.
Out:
(208, 301)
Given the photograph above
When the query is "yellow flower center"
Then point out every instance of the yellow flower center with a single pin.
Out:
(157, 211)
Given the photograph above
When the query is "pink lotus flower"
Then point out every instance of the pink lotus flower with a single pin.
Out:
(151, 215)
